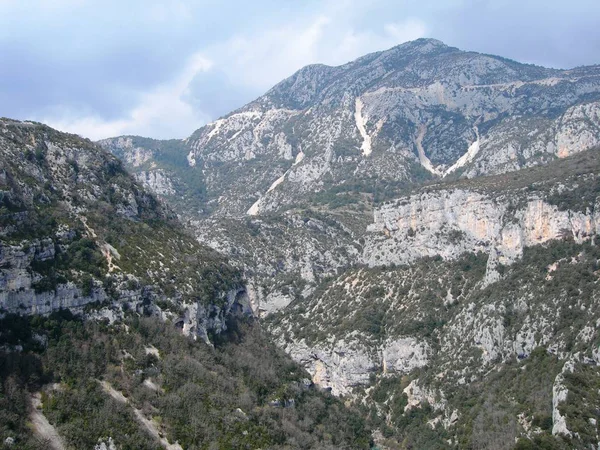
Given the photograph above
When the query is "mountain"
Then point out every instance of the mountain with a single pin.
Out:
(287, 185)
(119, 330)
(417, 111)
(417, 228)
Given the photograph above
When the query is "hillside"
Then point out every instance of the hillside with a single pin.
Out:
(416, 229)
(119, 330)
(473, 316)
(310, 161)
(78, 231)
(452, 297)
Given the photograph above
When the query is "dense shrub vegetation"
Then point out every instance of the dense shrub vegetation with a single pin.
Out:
(243, 394)
(500, 403)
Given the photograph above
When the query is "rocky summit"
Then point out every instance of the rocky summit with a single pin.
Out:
(413, 236)
(418, 111)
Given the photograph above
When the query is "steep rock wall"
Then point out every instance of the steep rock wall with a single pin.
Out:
(450, 223)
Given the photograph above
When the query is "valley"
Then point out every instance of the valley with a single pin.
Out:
(398, 252)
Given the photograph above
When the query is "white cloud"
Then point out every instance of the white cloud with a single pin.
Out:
(251, 62)
(161, 112)
(261, 60)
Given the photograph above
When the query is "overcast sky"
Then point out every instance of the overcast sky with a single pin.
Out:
(163, 68)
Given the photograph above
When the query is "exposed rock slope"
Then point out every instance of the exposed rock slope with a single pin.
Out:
(78, 232)
(467, 279)
(421, 105)
(421, 109)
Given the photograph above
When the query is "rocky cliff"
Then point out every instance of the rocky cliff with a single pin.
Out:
(461, 280)
(451, 223)
(79, 233)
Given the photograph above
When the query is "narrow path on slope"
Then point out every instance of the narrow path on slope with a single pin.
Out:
(148, 424)
(41, 427)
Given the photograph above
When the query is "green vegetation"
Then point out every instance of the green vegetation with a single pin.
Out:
(385, 302)
(552, 290)
(581, 407)
(194, 394)
(82, 255)
(582, 198)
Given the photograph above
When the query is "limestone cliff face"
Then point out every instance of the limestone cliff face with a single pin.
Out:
(434, 290)
(450, 223)
(157, 181)
(132, 154)
(153, 163)
(78, 232)
(347, 363)
(17, 282)
(21, 292)
(520, 141)
(202, 321)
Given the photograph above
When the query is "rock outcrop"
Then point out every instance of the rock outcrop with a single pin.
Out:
(449, 223)
(79, 233)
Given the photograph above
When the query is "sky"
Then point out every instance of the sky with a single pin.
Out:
(163, 68)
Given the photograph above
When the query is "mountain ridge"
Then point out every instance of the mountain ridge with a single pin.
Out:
(379, 116)
(417, 228)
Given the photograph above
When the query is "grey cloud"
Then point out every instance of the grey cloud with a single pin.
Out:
(100, 58)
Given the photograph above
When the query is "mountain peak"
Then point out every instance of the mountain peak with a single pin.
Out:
(423, 45)
(427, 41)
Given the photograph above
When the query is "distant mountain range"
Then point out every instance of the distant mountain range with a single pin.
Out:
(418, 111)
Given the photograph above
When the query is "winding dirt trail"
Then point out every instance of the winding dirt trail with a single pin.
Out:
(148, 424)
(43, 429)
